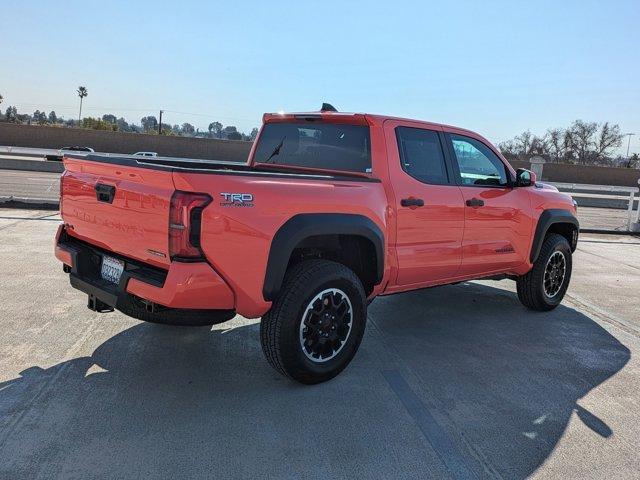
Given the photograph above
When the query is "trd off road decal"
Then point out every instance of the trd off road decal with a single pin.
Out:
(236, 200)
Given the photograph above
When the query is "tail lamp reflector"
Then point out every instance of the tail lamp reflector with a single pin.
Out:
(185, 216)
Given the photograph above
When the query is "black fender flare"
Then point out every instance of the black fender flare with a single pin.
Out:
(548, 218)
(305, 225)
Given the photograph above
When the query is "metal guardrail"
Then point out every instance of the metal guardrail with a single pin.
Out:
(631, 191)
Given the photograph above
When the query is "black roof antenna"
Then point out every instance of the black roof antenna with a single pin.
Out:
(327, 107)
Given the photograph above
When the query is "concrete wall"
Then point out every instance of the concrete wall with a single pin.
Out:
(120, 142)
(560, 172)
(566, 173)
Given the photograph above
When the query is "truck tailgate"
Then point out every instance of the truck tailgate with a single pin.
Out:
(120, 208)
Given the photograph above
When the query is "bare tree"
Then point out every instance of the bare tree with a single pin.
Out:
(523, 145)
(592, 143)
(556, 143)
(633, 161)
(581, 142)
(609, 138)
(523, 142)
(508, 148)
(539, 146)
(82, 92)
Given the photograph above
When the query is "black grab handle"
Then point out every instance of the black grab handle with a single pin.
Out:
(475, 202)
(412, 202)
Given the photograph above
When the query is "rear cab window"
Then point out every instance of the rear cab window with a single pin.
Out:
(320, 145)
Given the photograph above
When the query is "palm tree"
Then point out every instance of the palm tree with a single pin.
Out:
(82, 92)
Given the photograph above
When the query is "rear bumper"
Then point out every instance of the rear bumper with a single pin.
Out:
(192, 285)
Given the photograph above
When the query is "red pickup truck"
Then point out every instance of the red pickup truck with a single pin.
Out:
(331, 210)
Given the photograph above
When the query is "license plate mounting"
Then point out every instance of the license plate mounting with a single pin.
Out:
(111, 269)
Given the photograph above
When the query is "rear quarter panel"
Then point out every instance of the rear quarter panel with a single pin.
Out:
(236, 239)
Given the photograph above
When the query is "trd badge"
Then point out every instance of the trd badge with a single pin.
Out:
(236, 199)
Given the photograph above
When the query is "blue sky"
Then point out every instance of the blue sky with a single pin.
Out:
(495, 67)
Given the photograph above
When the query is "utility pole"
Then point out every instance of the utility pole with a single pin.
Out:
(628, 142)
(160, 124)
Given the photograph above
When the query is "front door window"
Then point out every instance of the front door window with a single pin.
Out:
(478, 165)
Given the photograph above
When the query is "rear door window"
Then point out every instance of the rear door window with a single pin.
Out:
(315, 145)
(421, 155)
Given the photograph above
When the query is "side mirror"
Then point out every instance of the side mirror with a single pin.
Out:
(525, 178)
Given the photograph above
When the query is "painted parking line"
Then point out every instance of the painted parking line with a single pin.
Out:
(433, 432)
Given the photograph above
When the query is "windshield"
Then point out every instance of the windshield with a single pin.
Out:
(327, 146)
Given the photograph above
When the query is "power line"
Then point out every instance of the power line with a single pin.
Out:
(73, 107)
(208, 115)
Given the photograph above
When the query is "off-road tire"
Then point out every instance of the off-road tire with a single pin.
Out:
(280, 327)
(530, 287)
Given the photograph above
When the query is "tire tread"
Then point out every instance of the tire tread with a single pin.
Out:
(529, 286)
(296, 286)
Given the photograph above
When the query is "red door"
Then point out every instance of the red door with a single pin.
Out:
(497, 221)
(429, 205)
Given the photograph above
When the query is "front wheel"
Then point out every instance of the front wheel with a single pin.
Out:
(543, 288)
(315, 326)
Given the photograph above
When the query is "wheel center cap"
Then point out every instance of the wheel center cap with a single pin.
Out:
(326, 322)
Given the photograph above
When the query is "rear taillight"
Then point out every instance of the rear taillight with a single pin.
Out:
(185, 218)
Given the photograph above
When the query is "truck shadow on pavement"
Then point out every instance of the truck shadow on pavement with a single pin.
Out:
(482, 380)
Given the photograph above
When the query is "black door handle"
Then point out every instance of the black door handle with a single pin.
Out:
(412, 202)
(475, 202)
(105, 193)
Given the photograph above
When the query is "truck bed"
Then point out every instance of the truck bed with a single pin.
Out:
(194, 165)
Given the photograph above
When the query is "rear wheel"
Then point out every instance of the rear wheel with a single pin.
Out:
(315, 326)
(543, 288)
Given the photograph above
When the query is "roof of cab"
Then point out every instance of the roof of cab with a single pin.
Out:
(354, 118)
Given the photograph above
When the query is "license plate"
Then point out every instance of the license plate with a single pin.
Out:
(111, 269)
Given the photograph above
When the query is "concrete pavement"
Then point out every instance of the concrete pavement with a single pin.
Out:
(33, 185)
(29, 189)
(454, 382)
(6, 150)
